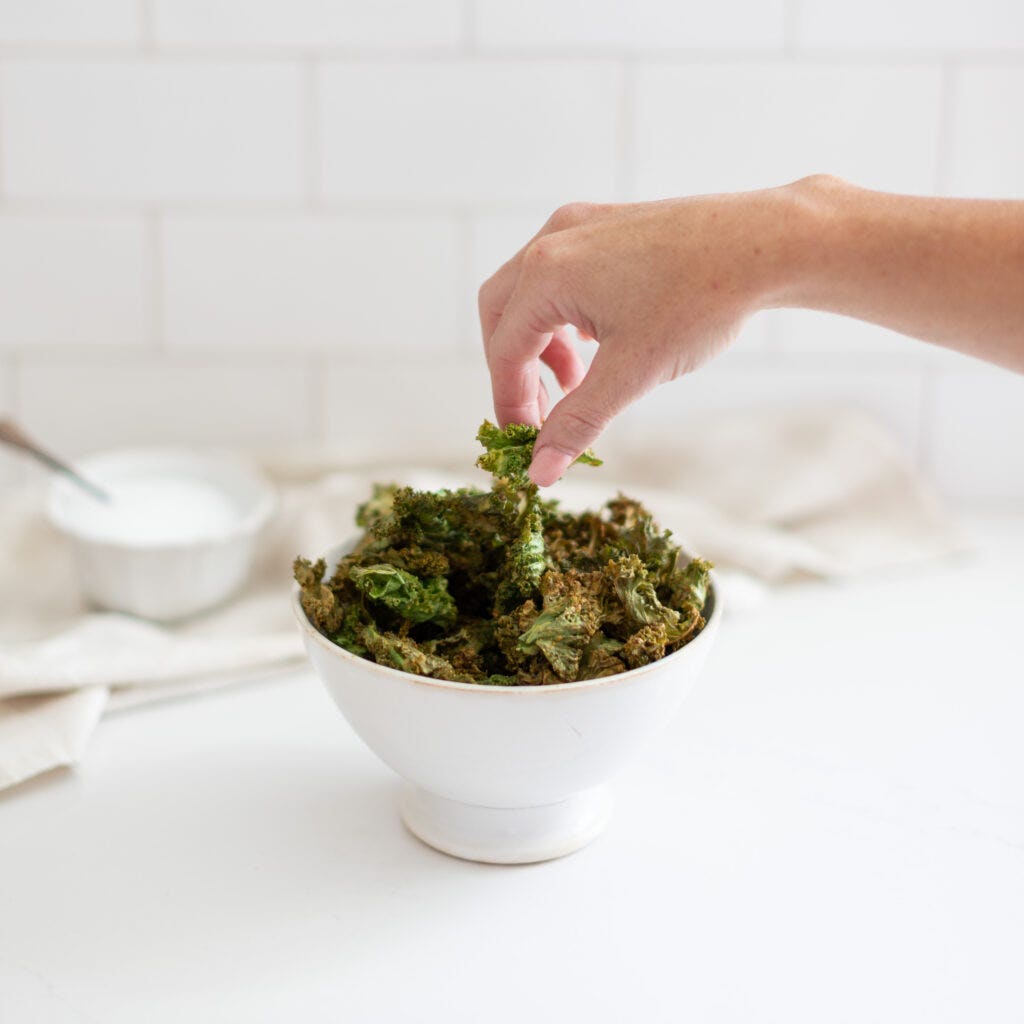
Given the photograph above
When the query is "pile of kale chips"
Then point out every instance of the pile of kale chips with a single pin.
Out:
(500, 588)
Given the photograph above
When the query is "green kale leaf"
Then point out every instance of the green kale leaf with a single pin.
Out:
(509, 451)
(406, 595)
(501, 587)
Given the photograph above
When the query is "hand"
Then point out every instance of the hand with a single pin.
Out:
(664, 286)
(661, 286)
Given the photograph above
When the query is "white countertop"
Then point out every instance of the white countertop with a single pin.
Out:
(832, 829)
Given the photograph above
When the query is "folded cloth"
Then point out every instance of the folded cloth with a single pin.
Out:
(770, 496)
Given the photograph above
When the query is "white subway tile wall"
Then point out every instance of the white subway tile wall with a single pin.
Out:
(70, 22)
(310, 24)
(720, 127)
(889, 391)
(150, 130)
(316, 282)
(497, 237)
(493, 239)
(442, 401)
(261, 221)
(82, 404)
(78, 280)
(468, 131)
(605, 25)
(988, 126)
(824, 335)
(911, 25)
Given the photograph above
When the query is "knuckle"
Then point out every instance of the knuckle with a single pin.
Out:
(821, 182)
(569, 215)
(537, 252)
(489, 309)
(543, 256)
(506, 364)
(581, 425)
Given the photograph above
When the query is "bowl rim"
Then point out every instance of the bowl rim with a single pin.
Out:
(263, 507)
(704, 638)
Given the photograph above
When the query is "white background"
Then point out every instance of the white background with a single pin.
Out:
(264, 221)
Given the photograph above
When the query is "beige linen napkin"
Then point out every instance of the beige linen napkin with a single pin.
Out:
(772, 496)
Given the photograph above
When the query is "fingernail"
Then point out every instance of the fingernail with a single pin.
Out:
(548, 465)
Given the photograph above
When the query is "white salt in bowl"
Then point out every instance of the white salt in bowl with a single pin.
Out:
(179, 536)
(505, 774)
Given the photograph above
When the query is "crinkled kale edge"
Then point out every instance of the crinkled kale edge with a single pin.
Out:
(500, 587)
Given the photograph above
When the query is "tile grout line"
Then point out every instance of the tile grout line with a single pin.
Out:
(468, 49)
(367, 208)
(467, 52)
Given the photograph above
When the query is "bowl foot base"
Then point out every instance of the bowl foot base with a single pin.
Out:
(505, 835)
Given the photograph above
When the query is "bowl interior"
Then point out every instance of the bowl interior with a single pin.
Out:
(237, 498)
(696, 647)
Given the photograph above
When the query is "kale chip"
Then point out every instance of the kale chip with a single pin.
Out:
(500, 587)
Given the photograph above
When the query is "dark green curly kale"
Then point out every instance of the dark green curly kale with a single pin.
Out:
(507, 456)
(509, 451)
(501, 588)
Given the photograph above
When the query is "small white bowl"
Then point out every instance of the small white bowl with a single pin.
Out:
(172, 577)
(505, 774)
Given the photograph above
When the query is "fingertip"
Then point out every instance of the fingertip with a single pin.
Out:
(548, 466)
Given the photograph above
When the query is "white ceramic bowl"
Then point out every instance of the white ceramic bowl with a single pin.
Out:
(164, 579)
(505, 774)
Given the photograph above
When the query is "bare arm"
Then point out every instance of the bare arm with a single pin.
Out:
(950, 271)
(664, 286)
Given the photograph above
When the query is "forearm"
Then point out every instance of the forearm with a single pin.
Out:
(664, 286)
(950, 271)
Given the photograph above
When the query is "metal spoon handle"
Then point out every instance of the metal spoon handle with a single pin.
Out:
(14, 436)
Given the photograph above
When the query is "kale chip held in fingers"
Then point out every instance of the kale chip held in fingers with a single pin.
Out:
(500, 587)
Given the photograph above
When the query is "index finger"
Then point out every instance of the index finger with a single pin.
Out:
(497, 289)
(522, 334)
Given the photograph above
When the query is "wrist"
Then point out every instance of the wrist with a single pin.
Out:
(804, 226)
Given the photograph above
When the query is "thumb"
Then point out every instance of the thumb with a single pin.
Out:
(578, 419)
